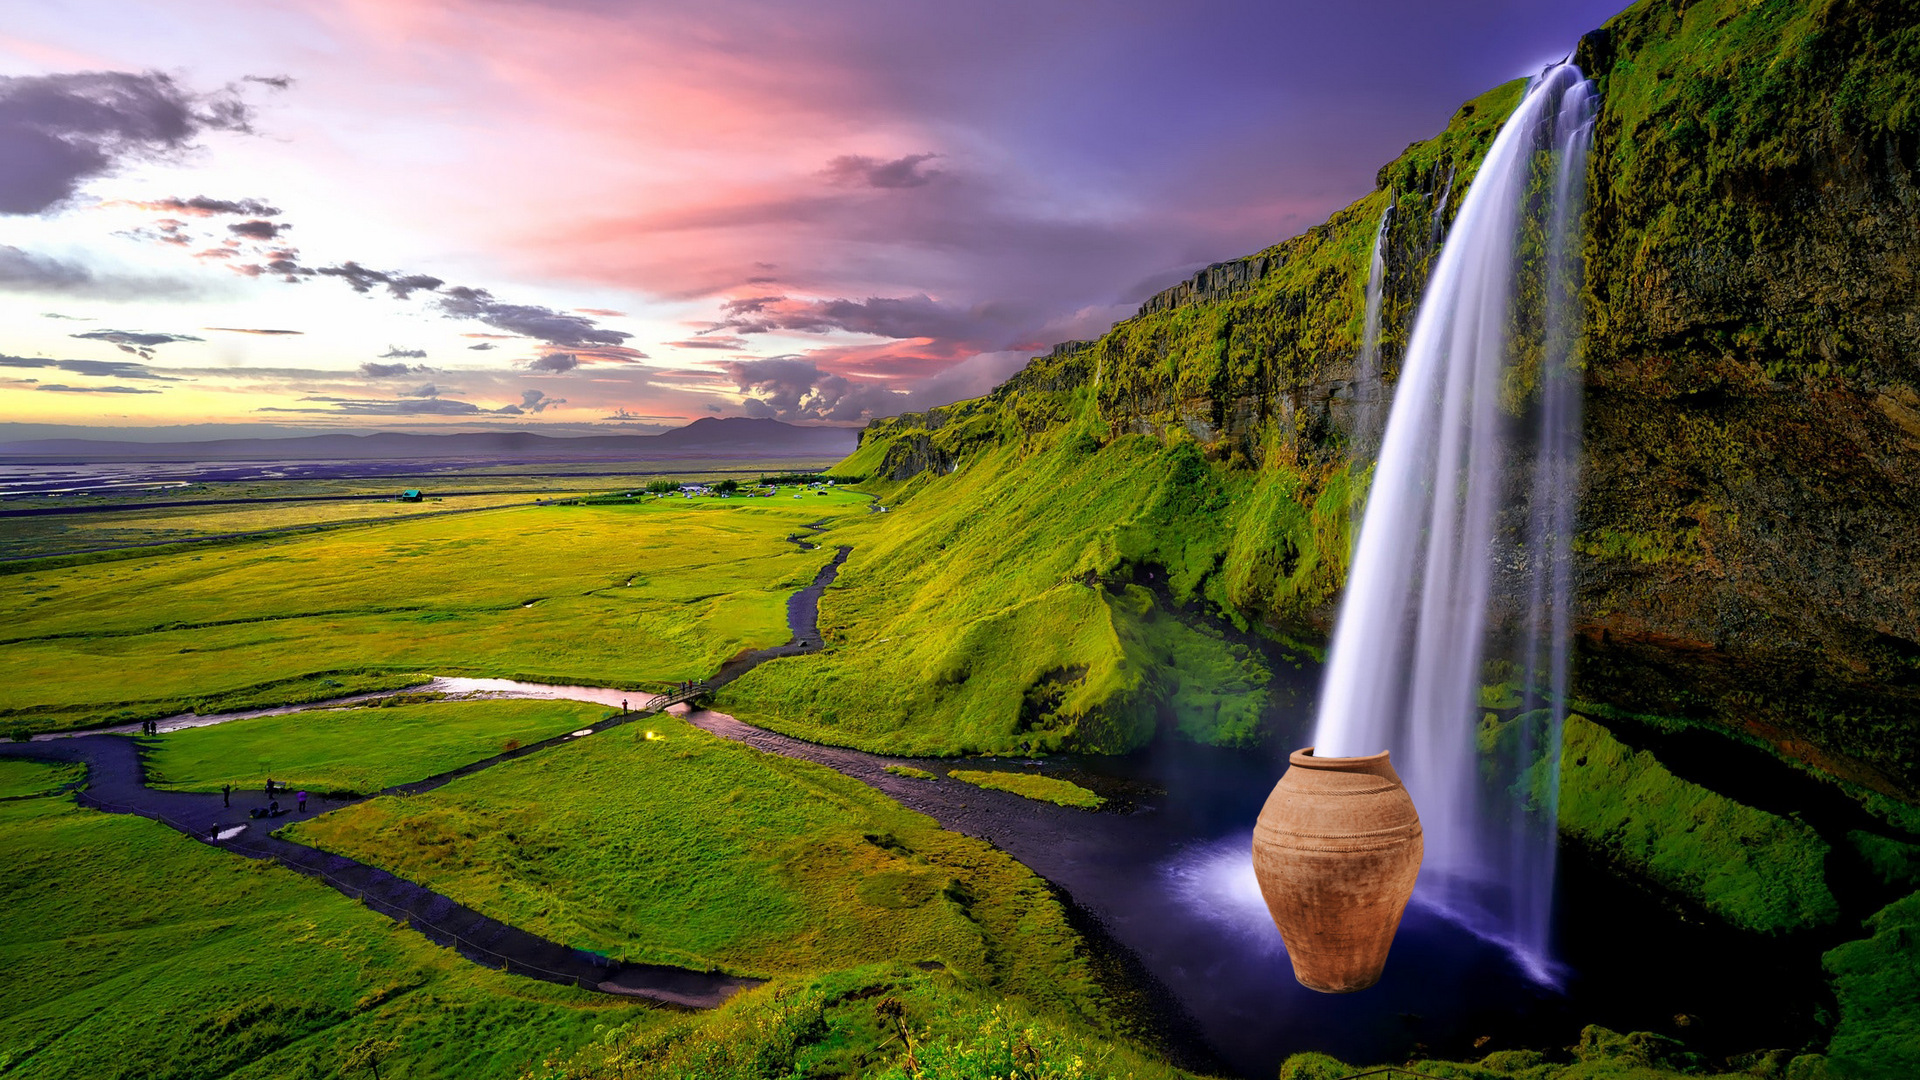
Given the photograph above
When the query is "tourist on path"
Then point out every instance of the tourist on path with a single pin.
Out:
(226, 795)
(302, 798)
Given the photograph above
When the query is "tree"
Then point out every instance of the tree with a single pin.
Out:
(727, 487)
(662, 487)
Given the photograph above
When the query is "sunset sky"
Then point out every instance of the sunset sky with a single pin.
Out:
(593, 216)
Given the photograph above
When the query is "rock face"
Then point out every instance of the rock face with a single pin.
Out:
(1749, 534)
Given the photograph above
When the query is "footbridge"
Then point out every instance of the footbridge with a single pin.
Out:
(687, 693)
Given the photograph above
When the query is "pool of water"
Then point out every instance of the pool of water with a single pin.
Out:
(1166, 874)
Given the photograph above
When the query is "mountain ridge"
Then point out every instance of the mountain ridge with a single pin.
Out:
(708, 436)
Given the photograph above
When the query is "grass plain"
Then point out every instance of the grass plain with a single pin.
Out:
(637, 595)
(693, 850)
(356, 751)
(21, 778)
(1031, 786)
(114, 970)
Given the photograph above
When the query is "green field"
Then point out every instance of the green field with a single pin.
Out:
(357, 751)
(1032, 786)
(115, 968)
(637, 595)
(689, 849)
(21, 778)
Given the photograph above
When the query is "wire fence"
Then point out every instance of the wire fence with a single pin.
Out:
(360, 893)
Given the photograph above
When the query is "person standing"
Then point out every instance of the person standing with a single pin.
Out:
(226, 795)
(302, 800)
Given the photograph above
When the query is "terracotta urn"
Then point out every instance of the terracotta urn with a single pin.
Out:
(1336, 849)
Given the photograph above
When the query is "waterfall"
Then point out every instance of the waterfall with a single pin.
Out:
(1468, 519)
(1366, 369)
(1440, 211)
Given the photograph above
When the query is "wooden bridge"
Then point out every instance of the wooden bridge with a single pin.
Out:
(659, 702)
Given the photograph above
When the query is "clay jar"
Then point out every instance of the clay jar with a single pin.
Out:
(1336, 849)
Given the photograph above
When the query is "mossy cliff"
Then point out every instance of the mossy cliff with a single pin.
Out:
(1749, 547)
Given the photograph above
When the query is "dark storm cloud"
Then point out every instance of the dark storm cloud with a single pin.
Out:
(258, 229)
(362, 279)
(790, 388)
(59, 131)
(554, 362)
(984, 326)
(528, 320)
(388, 371)
(105, 369)
(58, 389)
(27, 272)
(114, 369)
(394, 353)
(202, 206)
(431, 406)
(872, 172)
(732, 343)
(531, 401)
(139, 343)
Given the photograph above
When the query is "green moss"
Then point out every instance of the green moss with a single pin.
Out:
(881, 1022)
(911, 773)
(1032, 786)
(1894, 862)
(1752, 868)
(1877, 982)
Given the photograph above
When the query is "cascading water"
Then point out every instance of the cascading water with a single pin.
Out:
(1368, 412)
(1466, 533)
(1439, 211)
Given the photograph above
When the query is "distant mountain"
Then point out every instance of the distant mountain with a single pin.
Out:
(708, 437)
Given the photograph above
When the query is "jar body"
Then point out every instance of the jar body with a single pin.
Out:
(1336, 849)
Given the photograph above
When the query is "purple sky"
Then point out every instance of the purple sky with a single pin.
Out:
(598, 215)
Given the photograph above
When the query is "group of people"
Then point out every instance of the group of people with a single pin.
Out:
(271, 810)
(149, 727)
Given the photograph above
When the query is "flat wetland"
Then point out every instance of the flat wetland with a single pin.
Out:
(640, 592)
